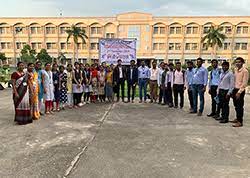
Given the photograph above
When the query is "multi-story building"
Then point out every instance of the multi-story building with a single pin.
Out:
(158, 37)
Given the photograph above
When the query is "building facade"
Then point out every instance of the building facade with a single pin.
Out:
(169, 39)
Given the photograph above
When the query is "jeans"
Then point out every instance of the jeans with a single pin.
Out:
(160, 94)
(190, 97)
(224, 103)
(143, 86)
(169, 94)
(133, 87)
(178, 90)
(120, 83)
(213, 93)
(198, 90)
(239, 105)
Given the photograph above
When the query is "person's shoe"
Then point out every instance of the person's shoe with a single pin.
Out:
(219, 119)
(175, 106)
(140, 101)
(234, 121)
(159, 103)
(193, 112)
(151, 101)
(191, 109)
(224, 121)
(211, 115)
(171, 105)
(181, 107)
(238, 124)
(199, 114)
(163, 104)
(41, 114)
(145, 101)
(132, 101)
(216, 116)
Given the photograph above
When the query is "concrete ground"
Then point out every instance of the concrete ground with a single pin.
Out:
(123, 140)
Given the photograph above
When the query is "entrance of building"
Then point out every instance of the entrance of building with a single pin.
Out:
(147, 62)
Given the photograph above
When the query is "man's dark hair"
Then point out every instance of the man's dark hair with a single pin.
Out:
(20, 62)
(178, 63)
(199, 59)
(38, 62)
(119, 60)
(132, 60)
(170, 64)
(190, 62)
(29, 64)
(241, 59)
(76, 63)
(214, 60)
(225, 63)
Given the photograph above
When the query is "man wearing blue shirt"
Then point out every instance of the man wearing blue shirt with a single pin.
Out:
(213, 85)
(188, 80)
(199, 85)
(143, 75)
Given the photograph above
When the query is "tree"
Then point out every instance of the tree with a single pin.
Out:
(28, 54)
(62, 58)
(76, 33)
(44, 57)
(213, 39)
(3, 58)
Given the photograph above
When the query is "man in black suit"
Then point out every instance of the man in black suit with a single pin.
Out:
(132, 79)
(119, 79)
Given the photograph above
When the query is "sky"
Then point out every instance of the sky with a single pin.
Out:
(23, 8)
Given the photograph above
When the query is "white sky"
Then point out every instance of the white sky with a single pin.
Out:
(19, 8)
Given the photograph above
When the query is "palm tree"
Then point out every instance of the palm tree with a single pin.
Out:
(76, 33)
(213, 39)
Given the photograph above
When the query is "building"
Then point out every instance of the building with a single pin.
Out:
(168, 38)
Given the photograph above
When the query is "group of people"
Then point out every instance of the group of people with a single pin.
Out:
(59, 87)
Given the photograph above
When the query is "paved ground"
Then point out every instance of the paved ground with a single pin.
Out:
(121, 140)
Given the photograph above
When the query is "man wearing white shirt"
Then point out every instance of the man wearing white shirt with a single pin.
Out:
(161, 70)
(153, 82)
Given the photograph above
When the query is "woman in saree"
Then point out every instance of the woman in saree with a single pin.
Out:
(101, 84)
(94, 81)
(34, 107)
(21, 95)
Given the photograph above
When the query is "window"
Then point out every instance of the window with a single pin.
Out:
(195, 30)
(172, 30)
(94, 46)
(245, 30)
(188, 46)
(3, 45)
(189, 30)
(110, 35)
(35, 30)
(96, 30)
(226, 46)
(156, 29)
(174, 46)
(238, 30)
(63, 30)
(2, 30)
(227, 29)
(194, 46)
(162, 30)
(237, 46)
(50, 30)
(161, 46)
(155, 46)
(63, 46)
(33, 45)
(206, 29)
(81, 46)
(50, 46)
(178, 30)
(204, 47)
(20, 45)
(244, 46)
(191, 46)
(134, 31)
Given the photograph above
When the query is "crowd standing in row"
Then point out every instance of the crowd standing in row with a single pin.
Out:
(72, 87)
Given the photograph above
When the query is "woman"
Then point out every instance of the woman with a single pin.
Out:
(77, 86)
(87, 83)
(101, 84)
(69, 86)
(39, 71)
(56, 86)
(62, 87)
(48, 89)
(94, 80)
(21, 91)
(35, 112)
(109, 84)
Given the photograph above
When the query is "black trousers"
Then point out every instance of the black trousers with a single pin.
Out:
(120, 84)
(190, 98)
(160, 94)
(169, 94)
(215, 106)
(133, 87)
(224, 104)
(77, 97)
(239, 105)
(178, 91)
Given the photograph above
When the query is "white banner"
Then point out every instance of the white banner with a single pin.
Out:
(113, 49)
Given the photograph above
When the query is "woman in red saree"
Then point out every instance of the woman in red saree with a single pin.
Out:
(21, 95)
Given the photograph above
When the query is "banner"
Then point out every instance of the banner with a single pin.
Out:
(110, 50)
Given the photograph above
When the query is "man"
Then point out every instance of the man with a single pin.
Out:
(241, 79)
(199, 85)
(169, 93)
(224, 91)
(178, 85)
(164, 84)
(132, 79)
(153, 82)
(188, 80)
(119, 79)
(161, 70)
(213, 86)
(143, 75)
